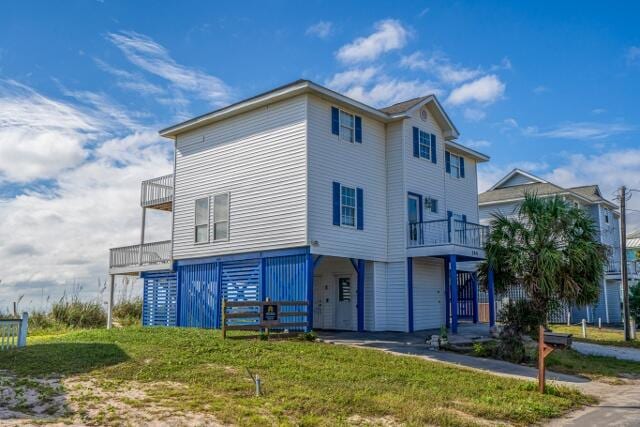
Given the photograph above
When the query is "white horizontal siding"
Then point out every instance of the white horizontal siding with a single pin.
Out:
(506, 209)
(396, 192)
(428, 293)
(397, 314)
(380, 295)
(352, 164)
(369, 296)
(259, 157)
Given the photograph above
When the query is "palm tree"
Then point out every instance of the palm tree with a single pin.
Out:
(550, 248)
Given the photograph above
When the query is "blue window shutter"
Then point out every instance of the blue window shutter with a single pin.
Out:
(434, 205)
(434, 158)
(447, 161)
(359, 209)
(358, 130)
(336, 203)
(335, 121)
(464, 218)
(461, 167)
(416, 148)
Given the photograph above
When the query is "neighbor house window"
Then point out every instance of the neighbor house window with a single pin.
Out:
(424, 142)
(431, 205)
(606, 216)
(348, 206)
(221, 217)
(347, 127)
(202, 220)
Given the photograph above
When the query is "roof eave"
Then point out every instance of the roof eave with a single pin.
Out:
(476, 155)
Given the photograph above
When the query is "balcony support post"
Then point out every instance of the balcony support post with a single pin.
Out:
(492, 298)
(606, 302)
(453, 277)
(144, 220)
(474, 284)
(447, 287)
(110, 302)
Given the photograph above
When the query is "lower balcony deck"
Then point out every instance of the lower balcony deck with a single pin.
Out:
(134, 259)
(447, 237)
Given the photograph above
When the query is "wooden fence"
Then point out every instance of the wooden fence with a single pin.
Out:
(13, 332)
(264, 315)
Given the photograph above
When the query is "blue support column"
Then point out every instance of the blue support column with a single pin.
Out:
(447, 286)
(310, 265)
(453, 278)
(360, 300)
(410, 292)
(492, 302)
(474, 283)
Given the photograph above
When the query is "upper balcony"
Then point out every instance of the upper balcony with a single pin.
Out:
(157, 193)
(134, 259)
(447, 237)
(613, 269)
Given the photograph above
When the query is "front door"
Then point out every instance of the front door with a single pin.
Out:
(318, 302)
(413, 213)
(344, 305)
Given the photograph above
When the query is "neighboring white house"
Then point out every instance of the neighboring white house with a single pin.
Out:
(302, 193)
(505, 198)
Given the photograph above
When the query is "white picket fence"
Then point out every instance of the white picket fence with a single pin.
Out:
(13, 332)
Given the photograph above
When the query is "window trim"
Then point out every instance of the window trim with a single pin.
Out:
(227, 219)
(431, 200)
(196, 224)
(354, 207)
(352, 128)
(427, 136)
(457, 165)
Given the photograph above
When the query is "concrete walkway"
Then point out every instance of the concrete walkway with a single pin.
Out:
(624, 353)
(619, 404)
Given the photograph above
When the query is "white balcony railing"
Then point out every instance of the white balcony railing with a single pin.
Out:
(130, 256)
(157, 192)
(615, 267)
(447, 232)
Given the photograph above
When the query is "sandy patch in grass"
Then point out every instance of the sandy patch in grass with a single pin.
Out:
(78, 401)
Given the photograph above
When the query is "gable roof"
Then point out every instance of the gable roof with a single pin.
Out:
(515, 172)
(386, 115)
(541, 187)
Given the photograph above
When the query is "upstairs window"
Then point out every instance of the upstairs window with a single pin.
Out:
(347, 126)
(606, 216)
(425, 145)
(221, 217)
(348, 206)
(431, 205)
(202, 220)
(454, 164)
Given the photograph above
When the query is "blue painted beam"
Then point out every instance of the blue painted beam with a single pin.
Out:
(453, 278)
(447, 296)
(310, 267)
(492, 302)
(474, 283)
(354, 263)
(410, 292)
(360, 300)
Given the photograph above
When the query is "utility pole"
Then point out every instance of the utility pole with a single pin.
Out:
(623, 261)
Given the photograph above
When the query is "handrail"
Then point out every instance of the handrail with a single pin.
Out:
(152, 253)
(156, 190)
(447, 231)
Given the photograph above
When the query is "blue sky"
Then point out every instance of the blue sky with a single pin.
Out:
(550, 87)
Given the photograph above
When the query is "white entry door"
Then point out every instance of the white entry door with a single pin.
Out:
(345, 300)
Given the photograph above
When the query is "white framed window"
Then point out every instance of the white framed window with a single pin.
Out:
(424, 145)
(455, 165)
(606, 216)
(201, 220)
(431, 205)
(347, 127)
(221, 216)
(347, 206)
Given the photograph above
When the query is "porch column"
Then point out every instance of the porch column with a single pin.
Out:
(474, 284)
(447, 286)
(310, 268)
(606, 302)
(410, 292)
(110, 302)
(360, 296)
(453, 279)
(492, 302)
(144, 220)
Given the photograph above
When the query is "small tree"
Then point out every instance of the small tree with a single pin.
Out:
(634, 302)
(550, 248)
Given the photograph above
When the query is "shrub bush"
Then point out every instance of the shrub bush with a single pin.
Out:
(521, 318)
(79, 314)
(128, 312)
(40, 320)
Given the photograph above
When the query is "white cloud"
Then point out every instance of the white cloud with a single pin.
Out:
(389, 91)
(580, 130)
(633, 54)
(55, 235)
(477, 143)
(540, 89)
(484, 90)
(598, 111)
(155, 59)
(353, 77)
(440, 66)
(474, 114)
(130, 81)
(423, 12)
(389, 35)
(322, 29)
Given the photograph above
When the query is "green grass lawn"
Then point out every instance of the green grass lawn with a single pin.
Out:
(604, 336)
(594, 367)
(304, 383)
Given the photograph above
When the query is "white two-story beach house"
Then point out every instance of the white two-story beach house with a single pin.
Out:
(505, 198)
(304, 194)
